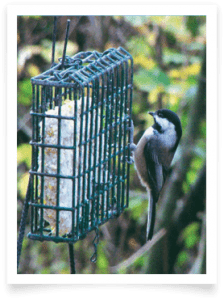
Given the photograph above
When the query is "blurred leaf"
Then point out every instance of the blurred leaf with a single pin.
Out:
(138, 208)
(203, 130)
(33, 70)
(22, 184)
(192, 24)
(102, 260)
(173, 56)
(182, 258)
(144, 61)
(25, 92)
(140, 261)
(171, 39)
(192, 80)
(193, 69)
(32, 17)
(162, 77)
(147, 80)
(153, 96)
(191, 235)
(191, 176)
(187, 73)
(24, 154)
(139, 46)
(174, 25)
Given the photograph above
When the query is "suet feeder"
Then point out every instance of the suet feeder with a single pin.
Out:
(81, 112)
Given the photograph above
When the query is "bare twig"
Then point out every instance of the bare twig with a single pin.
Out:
(158, 236)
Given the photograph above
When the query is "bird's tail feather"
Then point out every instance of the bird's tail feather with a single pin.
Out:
(151, 216)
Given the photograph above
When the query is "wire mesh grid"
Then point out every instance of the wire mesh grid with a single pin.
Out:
(81, 111)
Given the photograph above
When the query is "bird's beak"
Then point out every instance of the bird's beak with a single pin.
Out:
(151, 113)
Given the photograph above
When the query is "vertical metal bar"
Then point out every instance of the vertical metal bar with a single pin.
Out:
(34, 155)
(123, 134)
(119, 142)
(100, 150)
(130, 86)
(108, 141)
(74, 186)
(43, 99)
(107, 100)
(90, 137)
(72, 258)
(92, 150)
(36, 130)
(84, 165)
(115, 138)
(113, 146)
(112, 153)
(51, 97)
(80, 159)
(58, 162)
(54, 41)
(96, 150)
(65, 44)
(126, 139)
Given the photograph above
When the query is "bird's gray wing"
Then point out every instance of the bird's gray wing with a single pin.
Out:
(154, 170)
(155, 178)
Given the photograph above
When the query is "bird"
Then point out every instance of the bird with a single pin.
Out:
(153, 155)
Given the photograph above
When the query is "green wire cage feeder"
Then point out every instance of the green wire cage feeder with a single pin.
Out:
(81, 112)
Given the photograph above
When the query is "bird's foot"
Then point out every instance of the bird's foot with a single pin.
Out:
(131, 129)
(131, 161)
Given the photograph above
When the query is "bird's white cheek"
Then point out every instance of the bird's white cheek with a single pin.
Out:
(164, 123)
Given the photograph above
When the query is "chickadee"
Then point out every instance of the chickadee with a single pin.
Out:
(153, 155)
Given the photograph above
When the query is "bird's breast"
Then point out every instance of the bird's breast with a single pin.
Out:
(140, 163)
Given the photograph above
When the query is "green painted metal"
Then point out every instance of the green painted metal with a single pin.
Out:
(99, 87)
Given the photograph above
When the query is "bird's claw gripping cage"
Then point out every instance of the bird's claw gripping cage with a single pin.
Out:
(81, 115)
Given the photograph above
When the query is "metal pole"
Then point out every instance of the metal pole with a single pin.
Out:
(23, 222)
(72, 258)
(65, 45)
(54, 41)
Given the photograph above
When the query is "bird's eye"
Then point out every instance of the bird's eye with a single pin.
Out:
(160, 114)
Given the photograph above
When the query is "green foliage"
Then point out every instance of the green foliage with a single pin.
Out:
(138, 208)
(191, 235)
(102, 260)
(147, 80)
(182, 258)
(22, 184)
(173, 56)
(140, 262)
(139, 45)
(25, 92)
(193, 24)
(24, 155)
